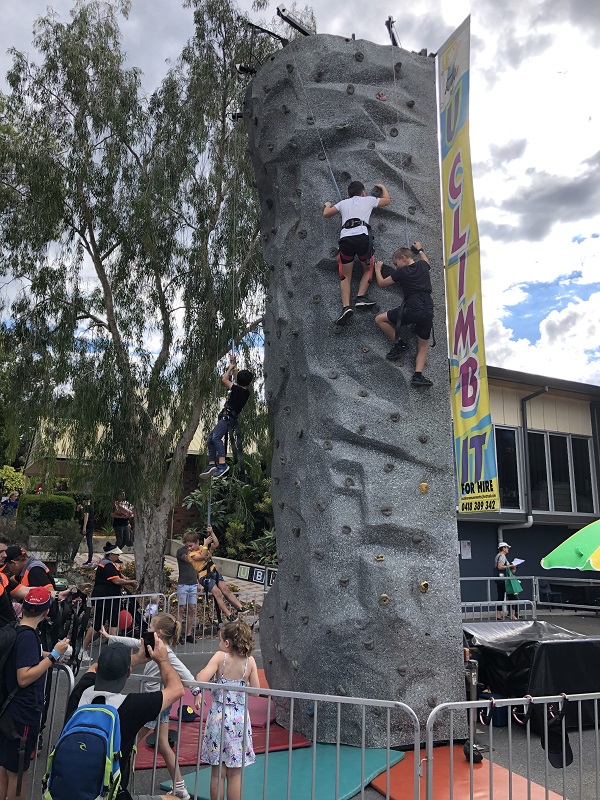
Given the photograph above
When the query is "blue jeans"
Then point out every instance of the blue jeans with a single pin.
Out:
(216, 448)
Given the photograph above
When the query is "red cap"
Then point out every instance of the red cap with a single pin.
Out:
(37, 599)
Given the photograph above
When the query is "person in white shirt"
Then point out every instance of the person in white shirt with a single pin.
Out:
(355, 240)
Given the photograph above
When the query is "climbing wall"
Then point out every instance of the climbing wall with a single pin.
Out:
(366, 602)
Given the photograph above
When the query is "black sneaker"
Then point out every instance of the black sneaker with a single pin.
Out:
(396, 351)
(221, 470)
(418, 379)
(362, 302)
(345, 316)
(190, 639)
(208, 471)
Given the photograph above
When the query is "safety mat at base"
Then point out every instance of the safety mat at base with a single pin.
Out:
(188, 749)
(401, 780)
(198, 784)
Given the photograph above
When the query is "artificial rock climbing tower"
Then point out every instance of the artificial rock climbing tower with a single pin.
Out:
(366, 602)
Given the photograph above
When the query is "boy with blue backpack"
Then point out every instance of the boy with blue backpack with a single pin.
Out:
(106, 722)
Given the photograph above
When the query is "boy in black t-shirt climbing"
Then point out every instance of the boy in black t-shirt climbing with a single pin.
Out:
(238, 383)
(417, 309)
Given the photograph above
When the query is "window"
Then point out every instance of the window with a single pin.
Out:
(582, 473)
(508, 474)
(561, 480)
(538, 472)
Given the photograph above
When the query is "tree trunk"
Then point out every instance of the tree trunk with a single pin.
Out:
(366, 601)
(151, 526)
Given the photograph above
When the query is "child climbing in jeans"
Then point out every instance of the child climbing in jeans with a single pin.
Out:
(228, 728)
(238, 383)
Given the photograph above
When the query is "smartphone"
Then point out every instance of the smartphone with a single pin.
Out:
(148, 637)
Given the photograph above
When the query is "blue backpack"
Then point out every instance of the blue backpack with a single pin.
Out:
(84, 764)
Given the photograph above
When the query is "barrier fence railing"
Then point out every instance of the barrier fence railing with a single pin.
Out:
(583, 593)
(490, 611)
(544, 747)
(62, 683)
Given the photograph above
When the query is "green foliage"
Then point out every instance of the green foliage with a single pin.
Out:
(262, 550)
(131, 223)
(46, 509)
(13, 480)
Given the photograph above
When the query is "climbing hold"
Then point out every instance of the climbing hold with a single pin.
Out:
(346, 529)
(346, 176)
(350, 89)
(278, 334)
(269, 202)
(294, 665)
(297, 483)
(361, 429)
(302, 234)
(423, 438)
(304, 620)
(318, 77)
(341, 690)
(319, 555)
(407, 160)
(285, 109)
(266, 89)
(410, 103)
(397, 67)
(286, 409)
(349, 481)
(300, 433)
(395, 416)
(278, 647)
(365, 349)
(386, 511)
(296, 576)
(270, 146)
(333, 252)
(363, 393)
(327, 445)
(289, 67)
(256, 120)
(296, 531)
(358, 57)
(310, 120)
(388, 467)
(344, 581)
(371, 145)
(382, 227)
(423, 488)
(333, 374)
(281, 504)
(342, 127)
(412, 210)
(432, 701)
(402, 671)
(424, 586)
(423, 51)
(381, 96)
(320, 505)
(285, 605)
(377, 711)
(276, 481)
(384, 600)
(283, 459)
(276, 444)
(417, 539)
(394, 132)
(316, 298)
(322, 156)
(369, 644)
(272, 267)
(265, 237)
(303, 376)
(379, 558)
(288, 263)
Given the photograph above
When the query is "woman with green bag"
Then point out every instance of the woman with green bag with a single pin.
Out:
(510, 588)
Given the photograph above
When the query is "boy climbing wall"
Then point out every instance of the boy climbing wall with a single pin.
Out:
(355, 240)
(417, 309)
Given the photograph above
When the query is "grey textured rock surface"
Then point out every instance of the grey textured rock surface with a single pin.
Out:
(362, 478)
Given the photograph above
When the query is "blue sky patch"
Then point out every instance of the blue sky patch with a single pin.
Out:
(543, 297)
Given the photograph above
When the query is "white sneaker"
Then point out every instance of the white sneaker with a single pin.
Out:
(182, 794)
(85, 655)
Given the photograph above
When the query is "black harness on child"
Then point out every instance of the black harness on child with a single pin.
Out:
(358, 223)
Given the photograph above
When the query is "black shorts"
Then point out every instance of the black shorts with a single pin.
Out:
(350, 246)
(9, 750)
(210, 581)
(417, 311)
(107, 611)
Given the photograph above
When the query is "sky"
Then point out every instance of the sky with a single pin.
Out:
(535, 143)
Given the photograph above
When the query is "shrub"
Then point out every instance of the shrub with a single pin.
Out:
(13, 480)
(46, 509)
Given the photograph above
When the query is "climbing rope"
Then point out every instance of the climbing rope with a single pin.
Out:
(402, 165)
(313, 115)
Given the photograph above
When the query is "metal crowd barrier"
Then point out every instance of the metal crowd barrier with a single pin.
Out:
(554, 584)
(332, 705)
(139, 608)
(62, 686)
(489, 610)
(487, 589)
(510, 761)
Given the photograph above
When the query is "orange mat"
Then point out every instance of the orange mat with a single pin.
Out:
(402, 787)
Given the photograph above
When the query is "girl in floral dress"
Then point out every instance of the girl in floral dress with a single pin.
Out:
(223, 743)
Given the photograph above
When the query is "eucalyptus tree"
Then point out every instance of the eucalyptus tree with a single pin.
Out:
(130, 224)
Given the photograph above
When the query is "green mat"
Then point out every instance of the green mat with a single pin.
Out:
(277, 780)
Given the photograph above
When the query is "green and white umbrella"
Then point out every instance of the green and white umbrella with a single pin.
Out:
(580, 551)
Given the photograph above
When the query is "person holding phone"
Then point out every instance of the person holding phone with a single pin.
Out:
(168, 629)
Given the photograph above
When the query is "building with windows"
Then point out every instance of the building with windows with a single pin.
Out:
(548, 456)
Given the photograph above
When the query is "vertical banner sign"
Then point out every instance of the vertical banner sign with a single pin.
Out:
(474, 450)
